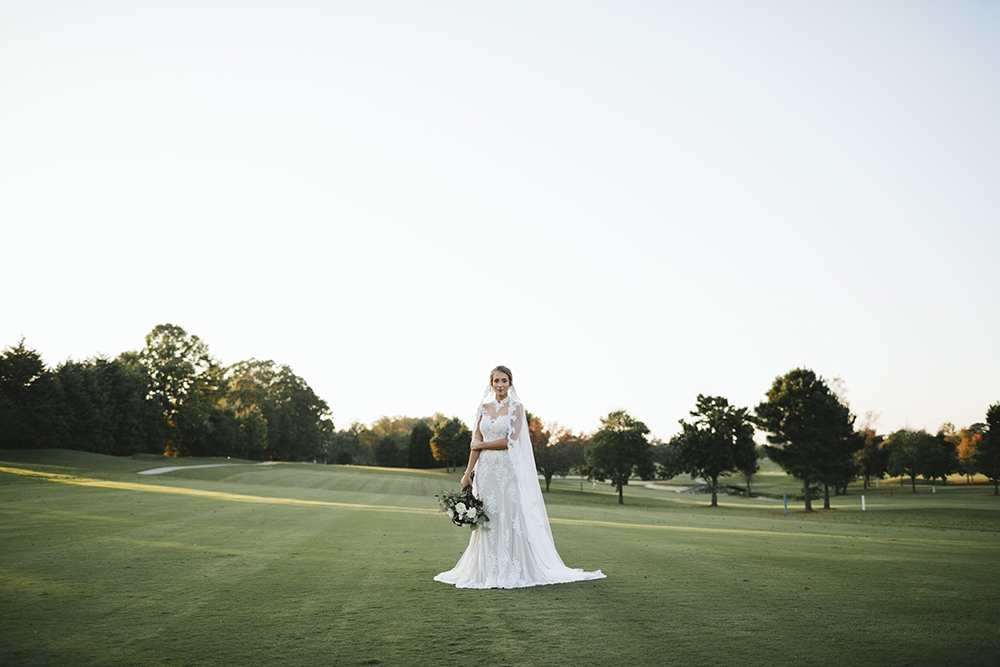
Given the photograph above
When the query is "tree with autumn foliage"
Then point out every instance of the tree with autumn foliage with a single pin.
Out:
(966, 443)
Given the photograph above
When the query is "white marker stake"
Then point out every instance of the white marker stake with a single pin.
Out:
(862, 503)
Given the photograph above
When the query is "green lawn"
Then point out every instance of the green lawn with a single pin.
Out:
(300, 564)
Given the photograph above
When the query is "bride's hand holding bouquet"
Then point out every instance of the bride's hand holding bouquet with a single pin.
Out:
(463, 508)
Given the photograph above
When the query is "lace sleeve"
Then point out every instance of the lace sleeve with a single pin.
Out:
(476, 433)
(517, 424)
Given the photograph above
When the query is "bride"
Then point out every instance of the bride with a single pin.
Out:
(517, 551)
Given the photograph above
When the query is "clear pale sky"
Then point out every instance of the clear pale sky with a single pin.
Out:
(629, 203)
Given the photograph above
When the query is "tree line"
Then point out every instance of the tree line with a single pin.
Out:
(173, 397)
(810, 434)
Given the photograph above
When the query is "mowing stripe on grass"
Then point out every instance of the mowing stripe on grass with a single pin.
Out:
(776, 533)
(218, 495)
(246, 498)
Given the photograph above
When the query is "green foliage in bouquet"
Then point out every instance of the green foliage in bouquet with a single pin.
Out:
(464, 509)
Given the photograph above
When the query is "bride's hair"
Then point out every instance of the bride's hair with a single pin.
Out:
(502, 369)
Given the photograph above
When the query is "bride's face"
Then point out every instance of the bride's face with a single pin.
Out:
(501, 383)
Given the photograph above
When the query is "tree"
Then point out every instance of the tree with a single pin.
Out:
(346, 447)
(31, 401)
(300, 427)
(87, 422)
(943, 459)
(276, 414)
(718, 441)
(872, 459)
(136, 419)
(387, 453)
(366, 439)
(419, 454)
(450, 442)
(842, 467)
(620, 450)
(748, 457)
(171, 397)
(400, 429)
(557, 450)
(967, 442)
(666, 459)
(807, 425)
(909, 452)
(252, 402)
(182, 374)
(987, 458)
(105, 406)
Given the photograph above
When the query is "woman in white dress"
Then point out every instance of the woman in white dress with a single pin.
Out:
(517, 551)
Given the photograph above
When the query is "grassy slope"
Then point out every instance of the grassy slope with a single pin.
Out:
(122, 576)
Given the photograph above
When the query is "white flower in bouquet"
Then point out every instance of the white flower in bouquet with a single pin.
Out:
(464, 509)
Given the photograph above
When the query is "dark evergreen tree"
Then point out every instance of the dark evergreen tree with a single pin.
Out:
(419, 454)
(89, 422)
(136, 419)
(807, 426)
(32, 407)
(387, 452)
(987, 456)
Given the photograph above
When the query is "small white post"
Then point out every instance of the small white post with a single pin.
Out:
(862, 503)
(934, 489)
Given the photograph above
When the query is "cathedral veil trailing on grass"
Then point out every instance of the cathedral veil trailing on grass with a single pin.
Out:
(518, 550)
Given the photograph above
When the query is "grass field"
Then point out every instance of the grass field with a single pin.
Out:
(301, 564)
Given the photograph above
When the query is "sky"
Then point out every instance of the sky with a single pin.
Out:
(628, 203)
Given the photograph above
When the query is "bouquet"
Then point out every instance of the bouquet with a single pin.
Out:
(463, 508)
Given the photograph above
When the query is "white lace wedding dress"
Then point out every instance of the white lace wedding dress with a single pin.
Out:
(517, 551)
